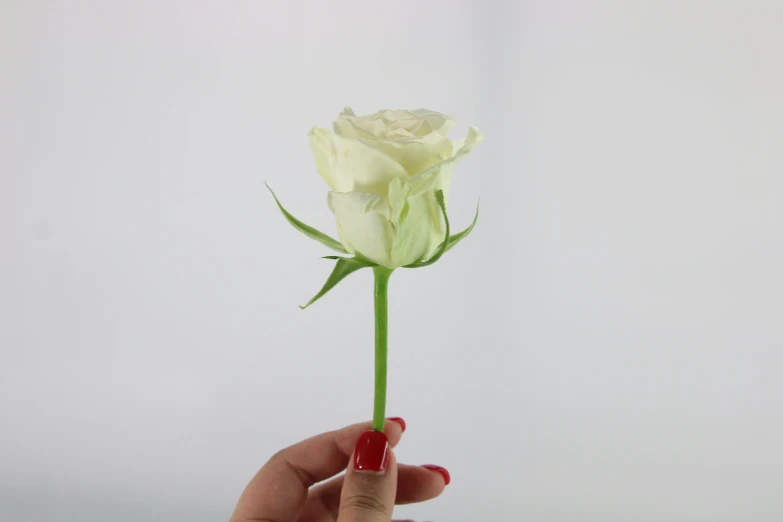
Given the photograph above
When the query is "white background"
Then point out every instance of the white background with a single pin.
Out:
(606, 346)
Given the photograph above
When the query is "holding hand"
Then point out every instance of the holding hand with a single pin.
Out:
(285, 489)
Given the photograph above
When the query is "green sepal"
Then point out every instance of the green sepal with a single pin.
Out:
(307, 230)
(343, 268)
(456, 238)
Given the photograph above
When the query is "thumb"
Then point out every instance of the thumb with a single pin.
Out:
(371, 481)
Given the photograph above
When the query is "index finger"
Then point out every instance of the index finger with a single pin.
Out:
(278, 492)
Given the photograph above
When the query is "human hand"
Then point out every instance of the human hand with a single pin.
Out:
(282, 491)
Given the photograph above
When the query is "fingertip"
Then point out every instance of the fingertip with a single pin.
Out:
(439, 469)
(400, 421)
(394, 429)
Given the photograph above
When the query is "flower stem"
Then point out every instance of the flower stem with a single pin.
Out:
(382, 275)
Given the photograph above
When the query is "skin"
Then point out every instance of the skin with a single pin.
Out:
(299, 483)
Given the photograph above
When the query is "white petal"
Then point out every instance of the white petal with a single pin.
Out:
(323, 154)
(354, 128)
(359, 166)
(416, 154)
(353, 165)
(439, 122)
(430, 179)
(397, 198)
(420, 230)
(363, 225)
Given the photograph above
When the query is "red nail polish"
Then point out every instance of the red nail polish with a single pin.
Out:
(400, 421)
(443, 471)
(372, 452)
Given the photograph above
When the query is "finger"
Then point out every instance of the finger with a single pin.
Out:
(370, 483)
(414, 484)
(279, 490)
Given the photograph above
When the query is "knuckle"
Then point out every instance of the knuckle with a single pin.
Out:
(366, 504)
(276, 457)
(276, 461)
(281, 460)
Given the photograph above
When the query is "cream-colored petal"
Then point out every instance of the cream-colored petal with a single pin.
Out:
(349, 125)
(363, 225)
(431, 179)
(403, 133)
(387, 123)
(350, 164)
(397, 198)
(350, 128)
(438, 122)
(359, 166)
(464, 145)
(418, 154)
(420, 230)
(323, 154)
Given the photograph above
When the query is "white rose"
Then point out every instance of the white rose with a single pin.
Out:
(383, 171)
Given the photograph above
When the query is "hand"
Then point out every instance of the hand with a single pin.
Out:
(282, 491)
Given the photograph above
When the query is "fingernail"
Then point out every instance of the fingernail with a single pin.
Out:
(443, 471)
(372, 452)
(400, 421)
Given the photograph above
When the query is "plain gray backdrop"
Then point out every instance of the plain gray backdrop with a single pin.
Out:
(607, 345)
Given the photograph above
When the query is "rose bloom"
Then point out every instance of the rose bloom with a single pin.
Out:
(383, 171)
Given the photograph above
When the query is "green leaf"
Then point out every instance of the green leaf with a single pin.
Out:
(344, 267)
(307, 230)
(456, 238)
(443, 246)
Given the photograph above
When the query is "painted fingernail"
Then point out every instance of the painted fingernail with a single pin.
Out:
(443, 471)
(372, 452)
(400, 421)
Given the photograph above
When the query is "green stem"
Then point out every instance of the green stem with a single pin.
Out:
(382, 275)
